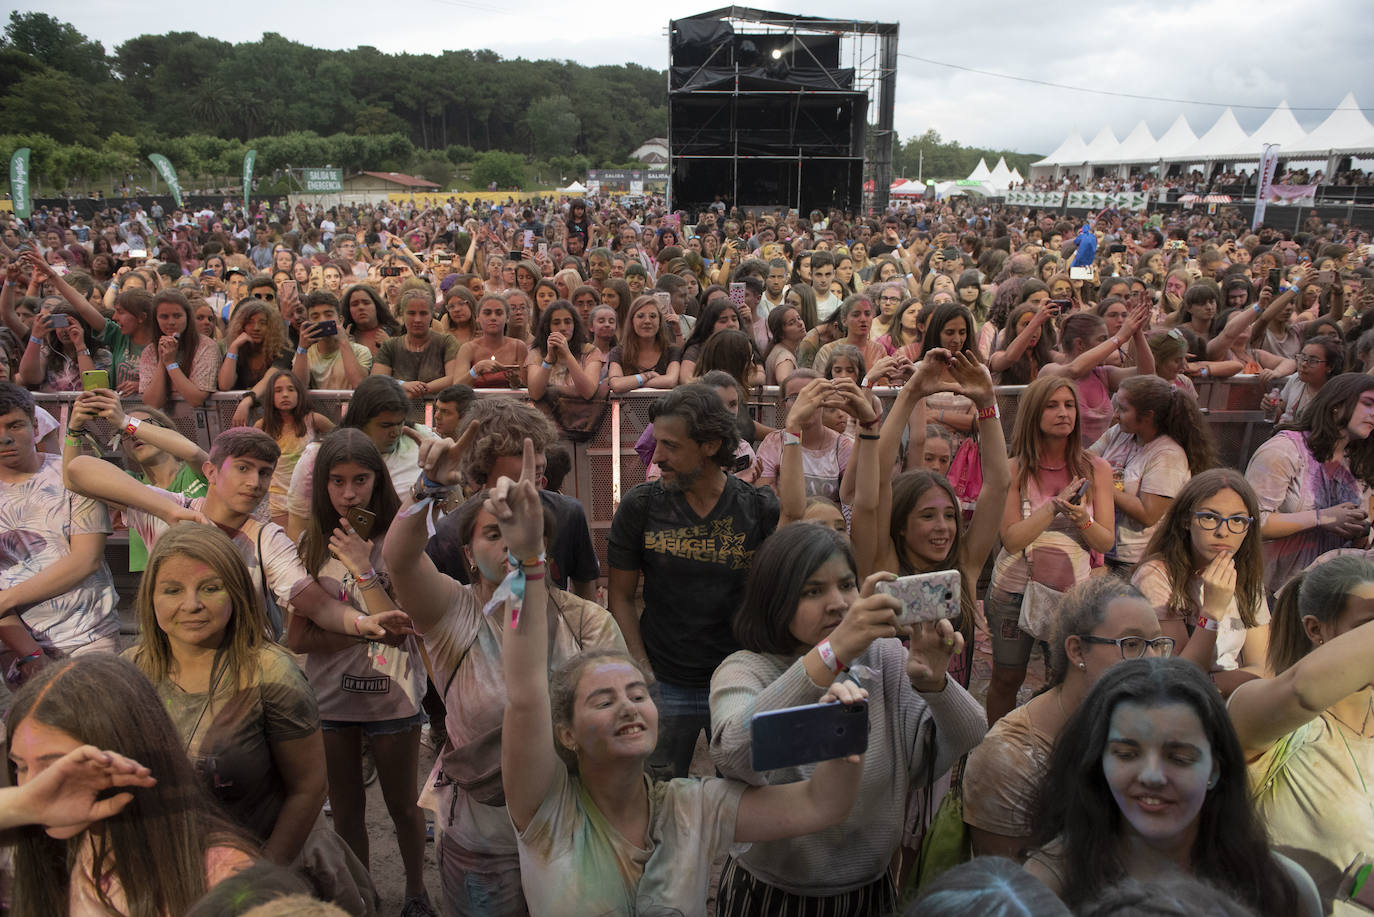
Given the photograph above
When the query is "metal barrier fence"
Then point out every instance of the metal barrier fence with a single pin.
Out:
(607, 465)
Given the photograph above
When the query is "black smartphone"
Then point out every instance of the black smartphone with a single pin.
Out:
(1061, 305)
(804, 735)
(328, 328)
(1275, 276)
(1082, 491)
(515, 256)
(1116, 249)
(389, 272)
(362, 521)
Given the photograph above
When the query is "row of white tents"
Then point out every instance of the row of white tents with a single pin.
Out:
(1345, 132)
(987, 182)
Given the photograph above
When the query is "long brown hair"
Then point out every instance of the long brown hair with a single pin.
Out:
(630, 344)
(155, 847)
(346, 444)
(1321, 591)
(247, 630)
(1172, 542)
(189, 342)
(1026, 438)
(274, 421)
(907, 490)
(1176, 415)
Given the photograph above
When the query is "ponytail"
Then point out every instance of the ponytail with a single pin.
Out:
(1287, 639)
(1184, 424)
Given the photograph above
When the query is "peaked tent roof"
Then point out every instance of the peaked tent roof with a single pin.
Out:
(980, 173)
(1345, 130)
(1016, 177)
(1135, 146)
(1071, 152)
(1219, 141)
(1281, 128)
(1171, 143)
(1104, 146)
(1001, 175)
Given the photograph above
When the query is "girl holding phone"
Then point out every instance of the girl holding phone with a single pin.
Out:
(363, 687)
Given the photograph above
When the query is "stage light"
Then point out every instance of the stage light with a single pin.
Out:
(777, 53)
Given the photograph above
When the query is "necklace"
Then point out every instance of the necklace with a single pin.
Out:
(1051, 467)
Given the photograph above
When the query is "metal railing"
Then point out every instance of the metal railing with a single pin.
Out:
(606, 466)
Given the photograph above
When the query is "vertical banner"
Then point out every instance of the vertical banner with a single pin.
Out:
(1269, 160)
(169, 174)
(248, 159)
(19, 182)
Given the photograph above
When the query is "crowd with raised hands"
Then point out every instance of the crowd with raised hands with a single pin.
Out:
(319, 597)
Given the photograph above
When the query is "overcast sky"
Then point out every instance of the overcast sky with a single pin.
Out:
(1242, 52)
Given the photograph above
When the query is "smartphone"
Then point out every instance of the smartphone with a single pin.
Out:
(1275, 277)
(665, 301)
(544, 249)
(327, 328)
(805, 735)
(92, 379)
(737, 294)
(514, 255)
(362, 521)
(1082, 491)
(59, 320)
(281, 290)
(1080, 273)
(529, 237)
(1116, 249)
(926, 596)
(208, 272)
(1061, 305)
(138, 253)
(389, 272)
(1326, 278)
(444, 259)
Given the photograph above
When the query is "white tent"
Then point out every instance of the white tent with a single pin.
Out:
(1001, 175)
(1219, 141)
(907, 188)
(1103, 147)
(1016, 178)
(575, 188)
(1281, 128)
(1346, 130)
(1073, 151)
(1172, 143)
(1136, 146)
(980, 173)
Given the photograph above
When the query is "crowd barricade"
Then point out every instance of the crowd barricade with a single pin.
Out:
(606, 466)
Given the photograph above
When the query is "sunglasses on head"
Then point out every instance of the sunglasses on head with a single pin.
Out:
(266, 297)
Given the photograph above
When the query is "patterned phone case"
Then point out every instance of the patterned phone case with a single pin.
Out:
(926, 596)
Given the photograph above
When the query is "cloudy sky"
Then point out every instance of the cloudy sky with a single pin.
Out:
(1240, 52)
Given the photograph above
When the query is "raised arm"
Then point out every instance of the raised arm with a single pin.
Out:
(107, 404)
(1003, 359)
(100, 480)
(424, 592)
(89, 313)
(528, 760)
(976, 383)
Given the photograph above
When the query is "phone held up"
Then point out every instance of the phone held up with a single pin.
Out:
(925, 597)
(362, 521)
(804, 735)
(92, 379)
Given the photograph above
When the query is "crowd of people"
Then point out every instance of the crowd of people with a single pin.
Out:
(319, 594)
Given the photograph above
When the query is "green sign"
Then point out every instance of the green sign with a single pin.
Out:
(322, 180)
(248, 159)
(19, 182)
(169, 174)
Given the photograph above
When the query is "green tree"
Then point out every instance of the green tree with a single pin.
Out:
(507, 170)
(58, 45)
(553, 126)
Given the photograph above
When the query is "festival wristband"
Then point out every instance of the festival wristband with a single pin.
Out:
(357, 629)
(131, 426)
(1258, 308)
(230, 355)
(546, 364)
(1207, 624)
(790, 439)
(173, 365)
(639, 377)
(829, 659)
(473, 372)
(991, 412)
(72, 441)
(302, 351)
(35, 340)
(1087, 524)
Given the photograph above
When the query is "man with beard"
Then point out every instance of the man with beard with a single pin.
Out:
(692, 535)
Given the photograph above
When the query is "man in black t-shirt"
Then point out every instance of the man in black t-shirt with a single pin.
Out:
(692, 535)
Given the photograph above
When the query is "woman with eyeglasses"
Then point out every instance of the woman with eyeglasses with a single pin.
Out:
(1311, 476)
(1100, 623)
(888, 296)
(1321, 359)
(1203, 571)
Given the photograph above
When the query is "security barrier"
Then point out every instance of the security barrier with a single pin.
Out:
(607, 466)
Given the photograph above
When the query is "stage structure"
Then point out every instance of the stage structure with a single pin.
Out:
(762, 112)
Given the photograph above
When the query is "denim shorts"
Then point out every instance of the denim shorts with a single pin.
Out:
(379, 727)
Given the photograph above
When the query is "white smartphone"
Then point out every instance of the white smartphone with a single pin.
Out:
(926, 596)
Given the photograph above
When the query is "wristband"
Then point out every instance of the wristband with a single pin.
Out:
(1203, 372)
(131, 426)
(302, 350)
(356, 629)
(991, 412)
(230, 355)
(35, 340)
(871, 425)
(872, 436)
(72, 441)
(1086, 525)
(83, 353)
(1204, 623)
(546, 364)
(790, 439)
(829, 659)
(473, 372)
(173, 365)
(1258, 308)
(366, 576)
(639, 377)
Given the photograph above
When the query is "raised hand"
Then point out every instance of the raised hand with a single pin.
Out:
(516, 507)
(442, 459)
(851, 399)
(71, 791)
(1218, 585)
(810, 399)
(974, 379)
(933, 644)
(872, 616)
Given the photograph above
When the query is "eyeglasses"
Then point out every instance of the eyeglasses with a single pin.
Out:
(889, 299)
(1210, 522)
(265, 297)
(1134, 647)
(1303, 359)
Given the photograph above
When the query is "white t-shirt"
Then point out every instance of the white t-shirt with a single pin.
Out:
(1152, 580)
(822, 469)
(38, 516)
(280, 563)
(1159, 467)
